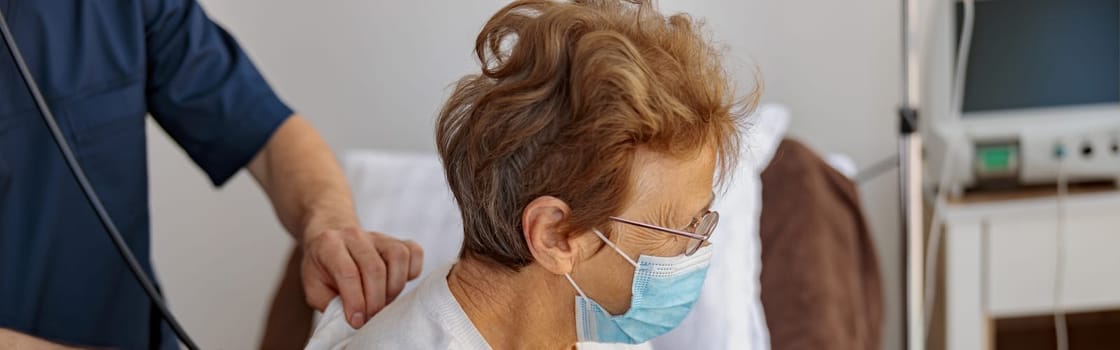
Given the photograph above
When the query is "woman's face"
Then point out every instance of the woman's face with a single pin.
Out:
(667, 192)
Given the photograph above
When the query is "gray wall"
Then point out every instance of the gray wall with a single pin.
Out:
(371, 74)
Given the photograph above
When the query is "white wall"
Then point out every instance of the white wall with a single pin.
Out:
(372, 74)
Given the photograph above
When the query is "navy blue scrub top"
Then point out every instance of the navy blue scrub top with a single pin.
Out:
(103, 65)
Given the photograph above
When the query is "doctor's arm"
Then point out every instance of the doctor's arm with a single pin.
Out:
(310, 195)
(205, 92)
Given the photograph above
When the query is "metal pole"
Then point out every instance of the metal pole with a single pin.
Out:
(910, 181)
(910, 177)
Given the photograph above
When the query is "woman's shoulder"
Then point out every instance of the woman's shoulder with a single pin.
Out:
(425, 318)
(404, 324)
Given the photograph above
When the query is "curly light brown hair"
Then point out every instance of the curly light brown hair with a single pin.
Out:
(567, 93)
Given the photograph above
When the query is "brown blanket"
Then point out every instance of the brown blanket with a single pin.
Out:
(820, 276)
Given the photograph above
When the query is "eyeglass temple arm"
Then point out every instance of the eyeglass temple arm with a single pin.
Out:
(659, 228)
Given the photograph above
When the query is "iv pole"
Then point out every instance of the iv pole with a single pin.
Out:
(910, 181)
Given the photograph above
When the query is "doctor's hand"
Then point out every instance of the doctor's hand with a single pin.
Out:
(308, 190)
(368, 269)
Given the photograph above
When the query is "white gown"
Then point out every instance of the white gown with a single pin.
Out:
(428, 317)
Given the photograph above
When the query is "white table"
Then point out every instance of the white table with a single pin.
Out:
(1000, 261)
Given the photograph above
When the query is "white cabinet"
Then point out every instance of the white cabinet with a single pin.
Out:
(1001, 258)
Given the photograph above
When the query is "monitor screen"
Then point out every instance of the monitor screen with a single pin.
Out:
(1042, 53)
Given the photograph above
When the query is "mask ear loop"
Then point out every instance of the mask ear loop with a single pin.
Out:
(615, 247)
(610, 244)
(574, 285)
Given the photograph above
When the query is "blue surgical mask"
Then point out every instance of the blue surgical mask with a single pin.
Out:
(663, 292)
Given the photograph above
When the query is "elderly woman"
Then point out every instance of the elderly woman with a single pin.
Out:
(583, 159)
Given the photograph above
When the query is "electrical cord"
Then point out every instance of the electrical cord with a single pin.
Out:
(933, 241)
(876, 169)
(1060, 256)
(87, 189)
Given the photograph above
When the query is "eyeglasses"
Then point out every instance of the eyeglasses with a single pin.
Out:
(701, 229)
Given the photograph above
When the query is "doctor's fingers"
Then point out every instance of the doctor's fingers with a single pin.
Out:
(372, 268)
(327, 271)
(403, 260)
(341, 272)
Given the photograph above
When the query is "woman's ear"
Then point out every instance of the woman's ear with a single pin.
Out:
(543, 222)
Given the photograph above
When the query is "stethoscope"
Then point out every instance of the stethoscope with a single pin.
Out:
(87, 189)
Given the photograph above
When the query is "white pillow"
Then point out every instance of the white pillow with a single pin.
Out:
(764, 132)
(729, 313)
